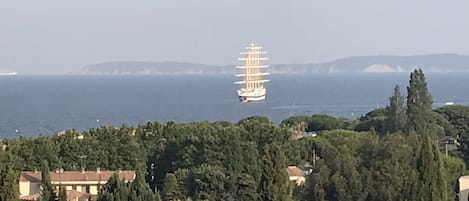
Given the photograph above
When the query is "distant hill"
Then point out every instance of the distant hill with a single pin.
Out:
(365, 64)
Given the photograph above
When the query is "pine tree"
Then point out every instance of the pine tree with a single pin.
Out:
(419, 103)
(47, 192)
(396, 113)
(274, 179)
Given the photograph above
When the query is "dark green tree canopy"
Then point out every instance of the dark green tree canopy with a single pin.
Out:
(419, 103)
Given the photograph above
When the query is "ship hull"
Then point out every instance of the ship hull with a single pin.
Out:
(251, 95)
(246, 99)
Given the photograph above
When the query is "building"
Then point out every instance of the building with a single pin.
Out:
(463, 188)
(296, 175)
(79, 185)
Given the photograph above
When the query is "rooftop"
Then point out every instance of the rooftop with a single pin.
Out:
(63, 176)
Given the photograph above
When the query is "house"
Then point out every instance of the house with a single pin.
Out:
(296, 175)
(79, 185)
(463, 188)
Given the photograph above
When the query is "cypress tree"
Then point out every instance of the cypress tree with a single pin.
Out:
(140, 189)
(431, 182)
(274, 180)
(62, 194)
(47, 192)
(419, 103)
(114, 190)
(396, 113)
(8, 176)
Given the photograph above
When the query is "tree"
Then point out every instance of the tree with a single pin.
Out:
(396, 112)
(8, 175)
(431, 182)
(274, 184)
(419, 103)
(321, 122)
(454, 168)
(170, 189)
(247, 188)
(139, 189)
(114, 190)
(208, 183)
(47, 191)
(62, 194)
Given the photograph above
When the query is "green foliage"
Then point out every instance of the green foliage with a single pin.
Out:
(62, 194)
(117, 190)
(377, 124)
(458, 118)
(140, 190)
(454, 168)
(114, 190)
(274, 180)
(247, 160)
(171, 188)
(396, 112)
(419, 103)
(294, 120)
(208, 183)
(431, 183)
(317, 122)
(47, 190)
(321, 122)
(246, 188)
(341, 174)
(8, 175)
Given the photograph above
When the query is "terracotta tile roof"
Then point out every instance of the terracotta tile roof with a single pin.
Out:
(64, 176)
(294, 171)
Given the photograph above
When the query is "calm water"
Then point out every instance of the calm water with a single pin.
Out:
(48, 104)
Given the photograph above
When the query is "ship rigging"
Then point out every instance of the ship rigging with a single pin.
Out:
(252, 71)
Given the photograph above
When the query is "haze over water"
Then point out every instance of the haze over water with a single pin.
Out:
(48, 104)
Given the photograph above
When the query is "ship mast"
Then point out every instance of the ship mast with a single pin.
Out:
(252, 68)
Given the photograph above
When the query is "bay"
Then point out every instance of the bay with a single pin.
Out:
(31, 105)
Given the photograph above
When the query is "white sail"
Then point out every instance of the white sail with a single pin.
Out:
(253, 59)
(253, 74)
(251, 81)
(249, 53)
(258, 66)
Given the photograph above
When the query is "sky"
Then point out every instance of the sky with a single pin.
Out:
(62, 36)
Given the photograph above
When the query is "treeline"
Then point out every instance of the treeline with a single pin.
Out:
(198, 161)
(393, 153)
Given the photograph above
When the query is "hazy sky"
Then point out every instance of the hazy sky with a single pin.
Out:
(61, 36)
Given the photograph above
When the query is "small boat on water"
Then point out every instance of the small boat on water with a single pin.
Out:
(449, 103)
(8, 73)
(252, 82)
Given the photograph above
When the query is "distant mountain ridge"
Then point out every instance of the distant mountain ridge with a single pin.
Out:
(361, 64)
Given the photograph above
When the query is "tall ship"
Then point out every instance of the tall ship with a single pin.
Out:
(252, 81)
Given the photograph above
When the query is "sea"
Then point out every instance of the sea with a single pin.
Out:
(33, 105)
